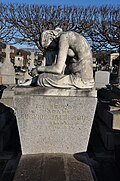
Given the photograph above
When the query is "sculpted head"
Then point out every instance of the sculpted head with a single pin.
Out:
(48, 37)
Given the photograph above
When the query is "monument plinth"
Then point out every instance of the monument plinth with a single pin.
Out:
(54, 123)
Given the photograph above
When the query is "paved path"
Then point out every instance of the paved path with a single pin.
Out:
(52, 167)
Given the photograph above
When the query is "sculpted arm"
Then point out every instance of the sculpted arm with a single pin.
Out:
(62, 55)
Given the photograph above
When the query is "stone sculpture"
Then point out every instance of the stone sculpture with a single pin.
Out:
(71, 66)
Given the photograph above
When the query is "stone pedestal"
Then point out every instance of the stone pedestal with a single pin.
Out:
(53, 167)
(53, 123)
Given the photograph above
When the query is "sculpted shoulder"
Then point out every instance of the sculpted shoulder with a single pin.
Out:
(72, 37)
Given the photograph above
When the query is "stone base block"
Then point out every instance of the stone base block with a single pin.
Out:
(54, 124)
(52, 167)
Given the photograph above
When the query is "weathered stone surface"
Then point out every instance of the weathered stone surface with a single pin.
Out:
(54, 124)
(71, 64)
(52, 167)
(54, 92)
(101, 79)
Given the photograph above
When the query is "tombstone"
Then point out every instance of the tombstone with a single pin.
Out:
(7, 71)
(101, 79)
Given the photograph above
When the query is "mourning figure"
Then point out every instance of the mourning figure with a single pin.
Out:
(71, 63)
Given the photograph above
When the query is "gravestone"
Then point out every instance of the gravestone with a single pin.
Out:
(7, 71)
(101, 79)
(53, 123)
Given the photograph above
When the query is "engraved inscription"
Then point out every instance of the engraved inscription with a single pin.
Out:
(54, 124)
(55, 114)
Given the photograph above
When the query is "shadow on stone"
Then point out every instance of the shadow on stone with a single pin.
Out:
(10, 148)
(9, 139)
(52, 167)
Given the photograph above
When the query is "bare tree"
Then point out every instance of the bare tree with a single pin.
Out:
(22, 23)
(105, 33)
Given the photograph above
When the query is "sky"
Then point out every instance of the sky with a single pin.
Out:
(66, 2)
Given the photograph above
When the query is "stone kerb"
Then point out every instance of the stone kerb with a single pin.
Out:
(53, 124)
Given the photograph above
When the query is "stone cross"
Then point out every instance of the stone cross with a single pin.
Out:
(8, 50)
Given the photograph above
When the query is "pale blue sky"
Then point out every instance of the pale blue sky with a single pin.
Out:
(66, 2)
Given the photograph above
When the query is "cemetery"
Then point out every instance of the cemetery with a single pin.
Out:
(52, 124)
(59, 111)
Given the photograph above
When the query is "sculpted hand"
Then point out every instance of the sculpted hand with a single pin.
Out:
(41, 69)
